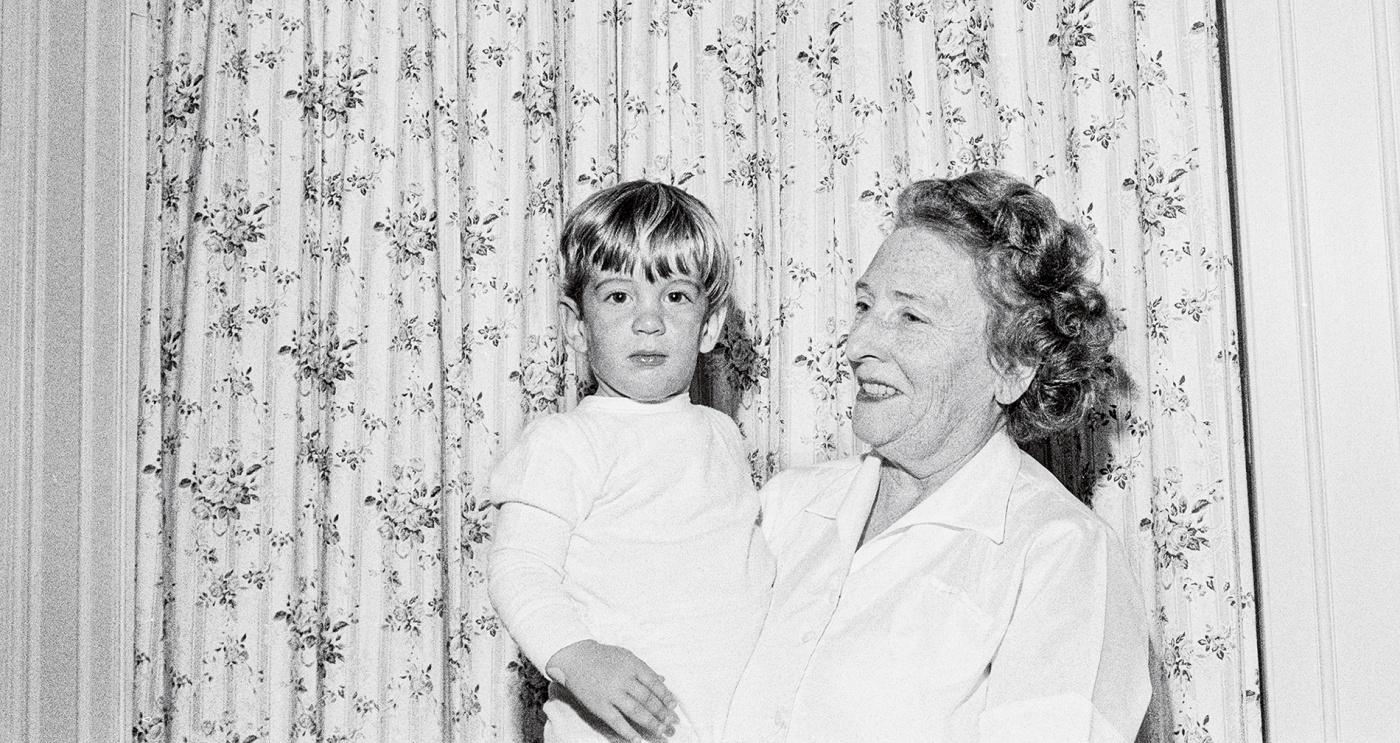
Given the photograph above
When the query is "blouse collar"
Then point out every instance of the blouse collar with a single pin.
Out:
(976, 497)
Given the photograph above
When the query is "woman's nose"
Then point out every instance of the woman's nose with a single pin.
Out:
(864, 340)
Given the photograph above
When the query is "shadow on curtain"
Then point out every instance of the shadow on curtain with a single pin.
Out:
(350, 308)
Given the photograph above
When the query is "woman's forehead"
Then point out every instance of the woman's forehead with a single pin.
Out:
(918, 262)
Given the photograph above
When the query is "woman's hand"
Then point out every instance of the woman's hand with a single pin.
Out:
(616, 686)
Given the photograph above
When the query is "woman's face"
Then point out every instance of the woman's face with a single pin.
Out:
(928, 392)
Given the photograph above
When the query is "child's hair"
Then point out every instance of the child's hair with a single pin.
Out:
(664, 228)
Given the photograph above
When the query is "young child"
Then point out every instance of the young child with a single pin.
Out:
(627, 548)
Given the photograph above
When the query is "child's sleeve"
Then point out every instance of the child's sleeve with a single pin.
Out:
(541, 487)
(526, 582)
(553, 467)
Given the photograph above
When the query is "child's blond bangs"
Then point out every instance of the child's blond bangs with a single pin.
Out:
(658, 228)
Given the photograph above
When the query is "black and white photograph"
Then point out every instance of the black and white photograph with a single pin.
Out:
(699, 371)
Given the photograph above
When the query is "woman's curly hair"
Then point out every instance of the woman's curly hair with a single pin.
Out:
(1045, 313)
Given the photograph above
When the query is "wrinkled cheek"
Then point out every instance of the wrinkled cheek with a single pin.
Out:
(972, 396)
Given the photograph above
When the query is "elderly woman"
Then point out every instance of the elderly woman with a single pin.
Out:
(945, 586)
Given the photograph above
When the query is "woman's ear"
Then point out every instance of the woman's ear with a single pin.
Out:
(714, 325)
(575, 334)
(1012, 381)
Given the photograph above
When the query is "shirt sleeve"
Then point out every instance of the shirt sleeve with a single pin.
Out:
(1072, 666)
(553, 467)
(526, 582)
(545, 485)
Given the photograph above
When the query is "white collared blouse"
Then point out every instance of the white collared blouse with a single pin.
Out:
(998, 609)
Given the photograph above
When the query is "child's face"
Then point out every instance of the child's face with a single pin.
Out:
(641, 338)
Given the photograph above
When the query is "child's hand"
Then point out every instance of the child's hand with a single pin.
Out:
(616, 686)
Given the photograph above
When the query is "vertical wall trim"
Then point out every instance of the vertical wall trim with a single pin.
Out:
(1390, 162)
(18, 99)
(107, 374)
(133, 226)
(88, 532)
(1308, 369)
(71, 198)
(34, 454)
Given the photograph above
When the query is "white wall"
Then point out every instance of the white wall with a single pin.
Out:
(71, 158)
(1315, 104)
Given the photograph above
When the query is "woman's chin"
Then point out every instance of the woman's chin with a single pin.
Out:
(874, 430)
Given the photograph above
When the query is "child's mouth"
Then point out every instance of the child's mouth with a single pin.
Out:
(649, 359)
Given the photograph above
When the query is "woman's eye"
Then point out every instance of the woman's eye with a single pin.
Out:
(911, 317)
(862, 306)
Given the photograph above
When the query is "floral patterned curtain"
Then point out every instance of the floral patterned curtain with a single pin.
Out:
(350, 307)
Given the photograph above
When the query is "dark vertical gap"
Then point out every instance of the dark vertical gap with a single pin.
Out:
(1236, 251)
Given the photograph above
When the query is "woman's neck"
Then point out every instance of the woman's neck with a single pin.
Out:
(902, 488)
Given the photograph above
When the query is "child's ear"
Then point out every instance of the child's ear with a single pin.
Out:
(574, 334)
(714, 325)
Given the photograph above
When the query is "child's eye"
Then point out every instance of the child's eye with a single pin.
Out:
(677, 297)
(615, 297)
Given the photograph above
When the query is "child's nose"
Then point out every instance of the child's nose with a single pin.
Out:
(648, 321)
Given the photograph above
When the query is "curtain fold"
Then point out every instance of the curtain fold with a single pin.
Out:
(351, 307)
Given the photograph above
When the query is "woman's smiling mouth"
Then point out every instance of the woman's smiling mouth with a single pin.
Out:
(871, 391)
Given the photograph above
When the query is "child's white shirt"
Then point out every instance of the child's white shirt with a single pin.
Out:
(638, 529)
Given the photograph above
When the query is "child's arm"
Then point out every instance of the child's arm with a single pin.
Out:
(526, 587)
